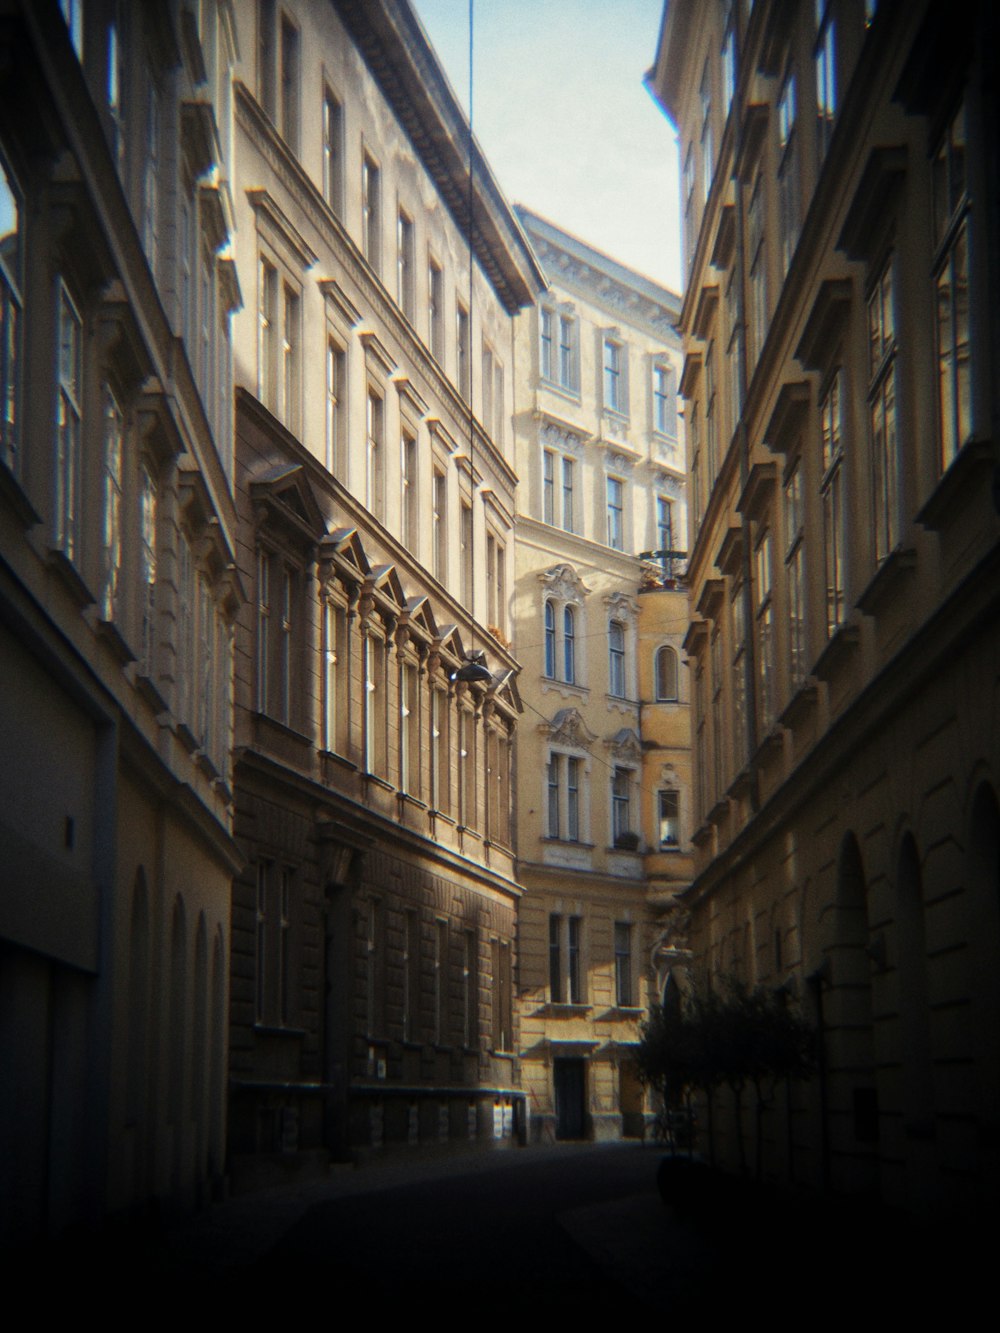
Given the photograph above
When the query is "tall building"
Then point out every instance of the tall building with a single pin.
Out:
(604, 813)
(840, 373)
(372, 990)
(117, 595)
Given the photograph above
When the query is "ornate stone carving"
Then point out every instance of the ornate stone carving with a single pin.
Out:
(568, 728)
(564, 583)
(625, 745)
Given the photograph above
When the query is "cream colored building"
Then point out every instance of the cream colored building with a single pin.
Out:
(117, 594)
(603, 775)
(840, 340)
(374, 924)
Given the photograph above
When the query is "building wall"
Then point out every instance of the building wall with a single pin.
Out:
(597, 448)
(374, 486)
(839, 349)
(114, 933)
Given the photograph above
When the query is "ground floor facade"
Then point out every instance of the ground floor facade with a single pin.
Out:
(868, 887)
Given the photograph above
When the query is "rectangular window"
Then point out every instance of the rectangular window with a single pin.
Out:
(409, 492)
(567, 353)
(440, 752)
(567, 494)
(115, 91)
(614, 377)
(563, 512)
(333, 153)
(548, 487)
(665, 533)
(266, 47)
(465, 552)
(151, 178)
(411, 975)
(707, 148)
(374, 455)
(373, 970)
(546, 320)
(555, 958)
(764, 612)
(375, 704)
(111, 536)
(616, 513)
(284, 946)
(728, 60)
(11, 280)
(831, 492)
(758, 271)
(669, 815)
(290, 83)
(260, 988)
(795, 576)
(336, 441)
(69, 410)
(621, 819)
(623, 964)
(409, 732)
(435, 310)
(291, 369)
(147, 583)
(951, 289)
(572, 798)
(499, 415)
(825, 59)
(664, 401)
(616, 660)
(554, 802)
(371, 213)
(267, 332)
(462, 350)
(404, 265)
(788, 179)
(440, 982)
(503, 1008)
(574, 974)
(470, 991)
(337, 679)
(882, 412)
(72, 12)
(486, 412)
(439, 522)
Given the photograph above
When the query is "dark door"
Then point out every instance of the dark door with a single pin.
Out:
(569, 1080)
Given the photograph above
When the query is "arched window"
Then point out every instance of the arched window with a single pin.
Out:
(666, 675)
(616, 659)
(569, 645)
(550, 640)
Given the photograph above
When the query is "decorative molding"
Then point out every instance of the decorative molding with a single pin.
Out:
(564, 583)
(625, 744)
(568, 728)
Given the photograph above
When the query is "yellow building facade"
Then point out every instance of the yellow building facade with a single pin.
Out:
(840, 404)
(603, 778)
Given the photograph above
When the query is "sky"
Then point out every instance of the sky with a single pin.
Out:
(562, 115)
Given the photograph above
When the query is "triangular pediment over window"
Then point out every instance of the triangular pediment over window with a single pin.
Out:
(568, 728)
(288, 501)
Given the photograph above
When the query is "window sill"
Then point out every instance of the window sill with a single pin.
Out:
(187, 737)
(445, 818)
(568, 842)
(282, 727)
(504, 1055)
(553, 386)
(277, 1030)
(63, 567)
(968, 472)
(406, 799)
(332, 757)
(566, 1009)
(146, 686)
(376, 781)
(113, 637)
(888, 582)
(17, 501)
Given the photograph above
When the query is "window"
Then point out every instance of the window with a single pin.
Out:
(546, 322)
(440, 981)
(439, 523)
(411, 975)
(616, 659)
(290, 83)
(623, 964)
(462, 350)
(410, 493)
(666, 675)
(707, 148)
(116, 77)
(665, 533)
(267, 326)
(559, 357)
(147, 571)
(825, 58)
(788, 175)
(669, 804)
(496, 583)
(435, 310)
(569, 644)
(333, 154)
(404, 265)
(337, 678)
(831, 492)
(465, 552)
(409, 731)
(374, 988)
(795, 575)
(336, 442)
(690, 236)
(616, 513)
(764, 612)
(277, 625)
(563, 797)
(273, 987)
(728, 58)
(499, 414)
(373, 648)
(621, 813)
(503, 1008)
(11, 280)
(486, 411)
(615, 377)
(440, 752)
(740, 746)
(550, 640)
(68, 424)
(470, 991)
(951, 283)
(266, 47)
(558, 509)
(374, 455)
(565, 981)
(111, 535)
(371, 215)
(758, 272)
(290, 358)
(260, 989)
(72, 12)
(568, 359)
(151, 178)
(720, 757)
(664, 400)
(711, 418)
(882, 412)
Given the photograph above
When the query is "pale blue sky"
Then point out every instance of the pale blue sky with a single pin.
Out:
(565, 121)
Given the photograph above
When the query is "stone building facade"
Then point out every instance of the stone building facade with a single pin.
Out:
(117, 597)
(840, 335)
(374, 923)
(604, 795)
